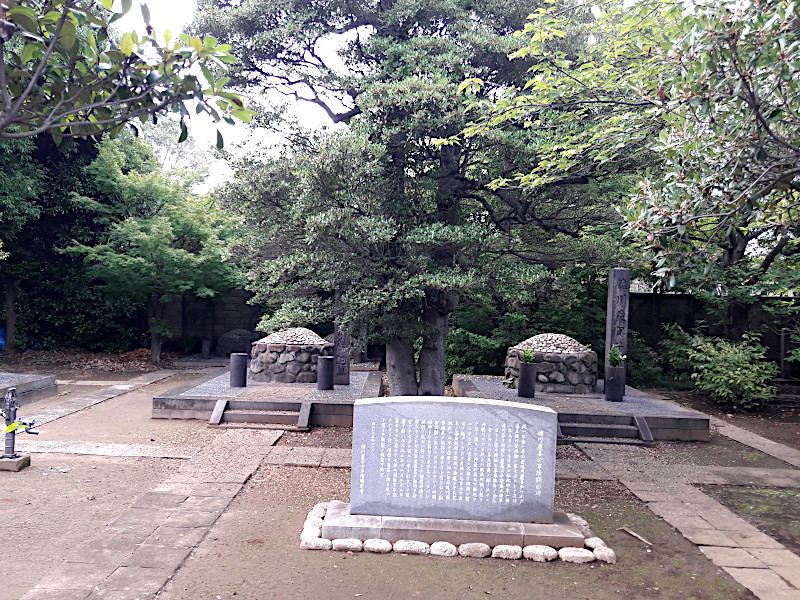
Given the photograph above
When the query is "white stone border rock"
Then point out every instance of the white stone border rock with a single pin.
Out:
(596, 549)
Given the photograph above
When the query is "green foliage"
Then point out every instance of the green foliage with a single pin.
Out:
(643, 365)
(571, 301)
(735, 375)
(708, 96)
(526, 355)
(63, 73)
(615, 357)
(60, 308)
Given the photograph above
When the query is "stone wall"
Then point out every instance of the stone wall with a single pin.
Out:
(564, 373)
(286, 363)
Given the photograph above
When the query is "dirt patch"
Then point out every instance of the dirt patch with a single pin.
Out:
(782, 426)
(254, 550)
(776, 512)
(40, 361)
(51, 508)
(719, 452)
(319, 437)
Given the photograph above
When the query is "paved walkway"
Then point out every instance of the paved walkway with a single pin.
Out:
(140, 550)
(73, 405)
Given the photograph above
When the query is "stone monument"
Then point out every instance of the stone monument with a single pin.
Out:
(617, 306)
(452, 469)
(341, 349)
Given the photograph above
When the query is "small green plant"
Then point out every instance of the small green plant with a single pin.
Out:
(615, 357)
(526, 355)
(735, 375)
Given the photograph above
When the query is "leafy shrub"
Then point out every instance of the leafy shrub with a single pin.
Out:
(643, 367)
(735, 375)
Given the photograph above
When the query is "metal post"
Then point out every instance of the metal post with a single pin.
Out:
(11, 404)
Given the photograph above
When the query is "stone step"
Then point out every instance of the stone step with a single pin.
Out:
(595, 430)
(604, 440)
(272, 417)
(273, 426)
(569, 418)
(236, 404)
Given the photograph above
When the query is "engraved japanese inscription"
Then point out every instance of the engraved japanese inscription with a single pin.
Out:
(457, 458)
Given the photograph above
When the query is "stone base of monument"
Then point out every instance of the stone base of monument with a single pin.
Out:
(15, 464)
(340, 524)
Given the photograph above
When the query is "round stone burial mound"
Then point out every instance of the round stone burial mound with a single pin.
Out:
(288, 356)
(563, 365)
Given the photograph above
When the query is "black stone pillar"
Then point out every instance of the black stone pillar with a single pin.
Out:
(325, 372)
(239, 369)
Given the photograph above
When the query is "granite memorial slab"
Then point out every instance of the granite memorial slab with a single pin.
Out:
(341, 352)
(453, 458)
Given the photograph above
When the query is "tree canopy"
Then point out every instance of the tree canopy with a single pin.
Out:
(710, 92)
(167, 243)
(62, 71)
(383, 226)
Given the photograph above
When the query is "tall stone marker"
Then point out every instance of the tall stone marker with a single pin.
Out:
(453, 458)
(341, 348)
(617, 306)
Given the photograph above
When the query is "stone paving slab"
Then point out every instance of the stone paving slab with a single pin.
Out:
(100, 449)
(42, 594)
(779, 451)
(764, 583)
(141, 548)
(56, 411)
(337, 457)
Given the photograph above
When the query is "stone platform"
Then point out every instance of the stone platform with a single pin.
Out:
(340, 524)
(328, 408)
(640, 417)
(30, 387)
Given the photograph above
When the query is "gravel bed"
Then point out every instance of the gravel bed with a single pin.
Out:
(213, 388)
(634, 403)
(7, 378)
(570, 452)
(341, 394)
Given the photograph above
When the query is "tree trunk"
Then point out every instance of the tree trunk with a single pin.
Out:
(401, 368)
(154, 312)
(11, 313)
(432, 357)
(155, 348)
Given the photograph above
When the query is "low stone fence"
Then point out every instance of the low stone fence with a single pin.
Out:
(286, 363)
(565, 373)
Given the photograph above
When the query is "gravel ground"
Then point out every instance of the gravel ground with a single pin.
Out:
(126, 420)
(253, 553)
(321, 437)
(720, 452)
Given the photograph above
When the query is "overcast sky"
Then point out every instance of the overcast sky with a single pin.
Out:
(176, 15)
